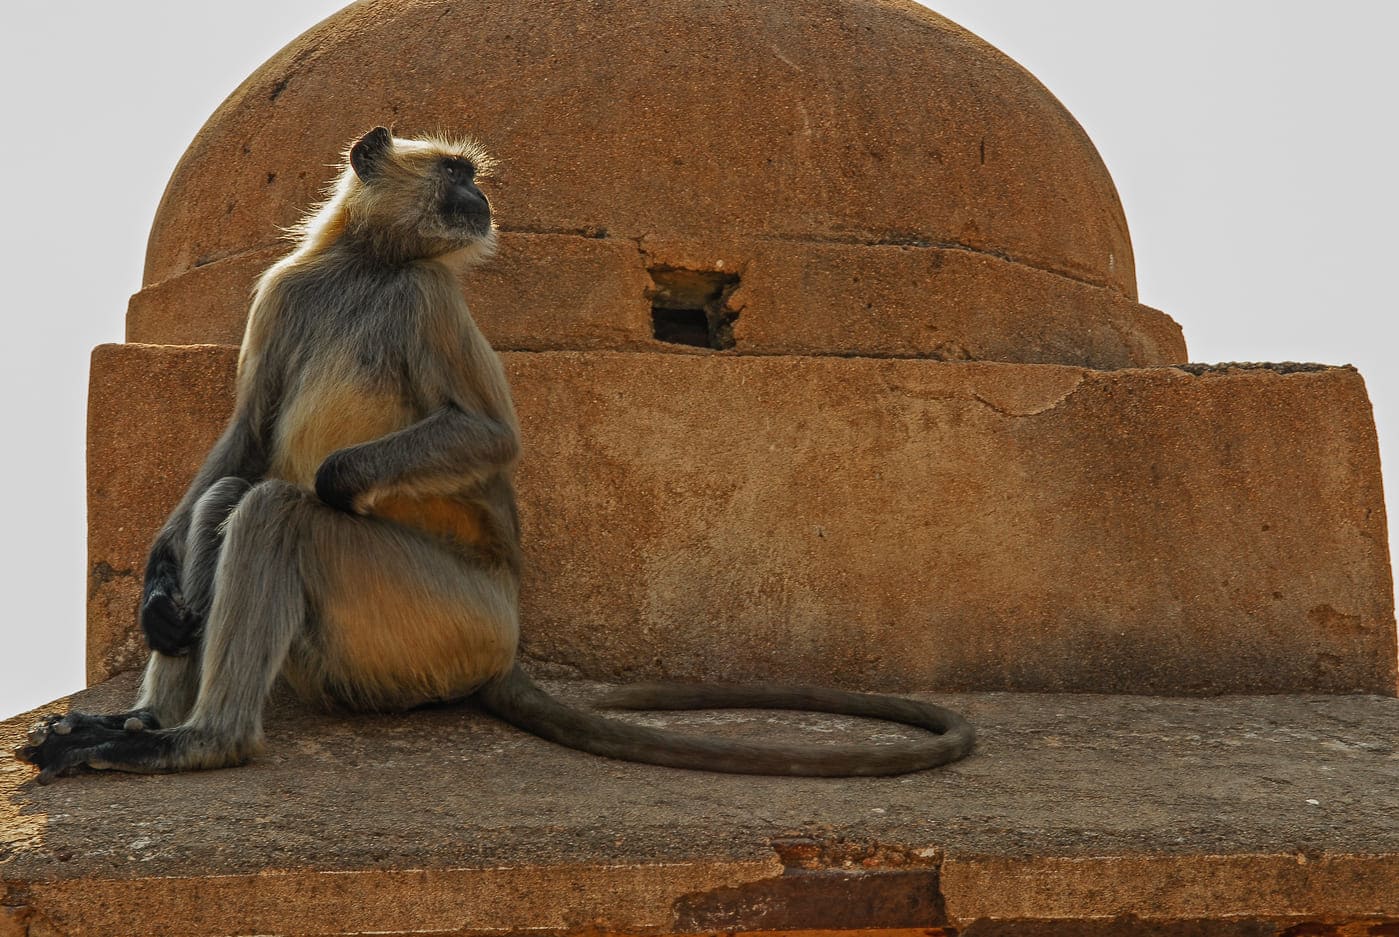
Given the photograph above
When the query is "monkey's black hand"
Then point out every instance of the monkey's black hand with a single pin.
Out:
(337, 482)
(168, 624)
(167, 621)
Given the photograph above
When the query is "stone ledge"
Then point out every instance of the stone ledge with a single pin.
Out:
(548, 292)
(1096, 815)
(884, 523)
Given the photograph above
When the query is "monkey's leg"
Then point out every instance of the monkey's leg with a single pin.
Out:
(400, 621)
(170, 683)
(167, 620)
(258, 607)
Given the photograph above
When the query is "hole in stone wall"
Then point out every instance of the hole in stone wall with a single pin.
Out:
(690, 307)
(680, 326)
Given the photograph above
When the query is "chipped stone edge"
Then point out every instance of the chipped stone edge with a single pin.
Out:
(1283, 368)
(650, 898)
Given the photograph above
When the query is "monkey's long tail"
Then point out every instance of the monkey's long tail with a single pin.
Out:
(520, 702)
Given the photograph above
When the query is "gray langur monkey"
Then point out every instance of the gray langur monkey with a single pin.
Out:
(354, 530)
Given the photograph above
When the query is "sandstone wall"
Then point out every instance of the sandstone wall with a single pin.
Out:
(879, 523)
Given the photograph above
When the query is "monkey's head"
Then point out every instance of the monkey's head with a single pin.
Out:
(412, 199)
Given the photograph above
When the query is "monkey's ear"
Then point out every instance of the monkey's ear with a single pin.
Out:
(366, 155)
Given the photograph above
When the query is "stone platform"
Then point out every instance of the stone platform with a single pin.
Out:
(1077, 815)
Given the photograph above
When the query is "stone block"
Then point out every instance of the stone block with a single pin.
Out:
(206, 305)
(151, 417)
(880, 523)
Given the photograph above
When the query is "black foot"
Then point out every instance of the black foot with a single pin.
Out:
(62, 744)
(136, 720)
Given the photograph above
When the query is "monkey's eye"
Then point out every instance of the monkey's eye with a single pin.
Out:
(459, 170)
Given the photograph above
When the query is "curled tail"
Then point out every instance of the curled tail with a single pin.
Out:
(516, 699)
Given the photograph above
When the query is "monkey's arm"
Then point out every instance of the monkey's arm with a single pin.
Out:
(446, 451)
(167, 622)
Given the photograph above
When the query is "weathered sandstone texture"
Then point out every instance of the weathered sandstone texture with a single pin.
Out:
(1104, 816)
(902, 188)
(879, 523)
(551, 292)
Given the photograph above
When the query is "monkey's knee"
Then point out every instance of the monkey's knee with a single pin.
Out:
(217, 502)
(269, 508)
(272, 495)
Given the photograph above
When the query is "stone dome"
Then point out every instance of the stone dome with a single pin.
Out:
(803, 177)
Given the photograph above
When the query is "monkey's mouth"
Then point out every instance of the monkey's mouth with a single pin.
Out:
(477, 223)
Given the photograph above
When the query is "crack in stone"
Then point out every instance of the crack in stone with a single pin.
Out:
(892, 240)
(1017, 412)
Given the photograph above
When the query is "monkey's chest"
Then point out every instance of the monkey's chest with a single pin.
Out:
(326, 416)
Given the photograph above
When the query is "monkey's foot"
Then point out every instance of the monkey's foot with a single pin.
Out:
(136, 720)
(62, 744)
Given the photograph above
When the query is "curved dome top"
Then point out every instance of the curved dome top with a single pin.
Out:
(699, 123)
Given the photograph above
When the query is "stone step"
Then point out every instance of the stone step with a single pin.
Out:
(1076, 815)
(897, 524)
(549, 292)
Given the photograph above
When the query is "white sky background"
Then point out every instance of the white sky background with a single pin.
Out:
(1253, 143)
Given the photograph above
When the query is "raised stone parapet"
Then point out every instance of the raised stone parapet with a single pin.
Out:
(878, 523)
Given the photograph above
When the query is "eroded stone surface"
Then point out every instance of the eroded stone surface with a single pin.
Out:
(897, 161)
(1073, 808)
(546, 292)
(880, 523)
(881, 120)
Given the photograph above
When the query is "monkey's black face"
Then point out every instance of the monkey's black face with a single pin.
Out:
(463, 205)
(418, 198)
